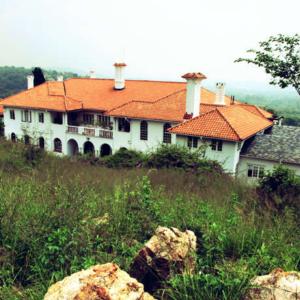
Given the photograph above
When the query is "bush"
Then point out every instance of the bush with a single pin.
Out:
(174, 156)
(280, 189)
(124, 158)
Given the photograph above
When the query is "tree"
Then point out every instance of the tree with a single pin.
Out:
(38, 76)
(280, 57)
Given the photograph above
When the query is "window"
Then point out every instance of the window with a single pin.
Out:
(12, 114)
(57, 118)
(88, 119)
(192, 142)
(256, 171)
(26, 139)
(13, 137)
(57, 145)
(41, 117)
(26, 115)
(124, 125)
(216, 145)
(144, 131)
(166, 134)
(104, 121)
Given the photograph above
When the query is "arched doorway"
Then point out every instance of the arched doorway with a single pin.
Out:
(88, 148)
(105, 150)
(26, 139)
(13, 137)
(72, 147)
(42, 143)
(57, 145)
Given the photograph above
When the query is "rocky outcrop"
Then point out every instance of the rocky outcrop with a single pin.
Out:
(100, 282)
(278, 285)
(169, 251)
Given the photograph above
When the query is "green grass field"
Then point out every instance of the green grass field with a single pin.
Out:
(50, 208)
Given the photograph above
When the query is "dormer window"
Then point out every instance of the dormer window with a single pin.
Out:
(216, 145)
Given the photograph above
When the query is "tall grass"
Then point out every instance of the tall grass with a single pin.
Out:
(58, 216)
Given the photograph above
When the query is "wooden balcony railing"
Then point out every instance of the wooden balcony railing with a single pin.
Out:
(72, 129)
(89, 131)
(106, 134)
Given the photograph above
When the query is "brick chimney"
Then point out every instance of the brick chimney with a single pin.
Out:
(30, 82)
(220, 93)
(193, 93)
(119, 76)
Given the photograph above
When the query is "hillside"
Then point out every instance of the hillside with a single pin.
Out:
(13, 79)
(50, 206)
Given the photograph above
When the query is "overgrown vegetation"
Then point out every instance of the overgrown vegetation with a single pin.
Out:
(59, 216)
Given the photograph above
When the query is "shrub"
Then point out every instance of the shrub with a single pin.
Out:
(175, 156)
(124, 158)
(280, 189)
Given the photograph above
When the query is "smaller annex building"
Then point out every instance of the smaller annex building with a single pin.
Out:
(263, 152)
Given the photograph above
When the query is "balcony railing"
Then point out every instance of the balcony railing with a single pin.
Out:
(89, 131)
(102, 133)
(106, 134)
(72, 129)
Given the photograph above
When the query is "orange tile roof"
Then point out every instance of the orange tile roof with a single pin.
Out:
(47, 96)
(170, 108)
(232, 123)
(256, 110)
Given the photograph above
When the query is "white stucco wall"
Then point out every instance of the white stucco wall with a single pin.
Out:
(242, 170)
(228, 157)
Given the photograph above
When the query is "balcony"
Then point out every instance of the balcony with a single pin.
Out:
(88, 131)
(106, 134)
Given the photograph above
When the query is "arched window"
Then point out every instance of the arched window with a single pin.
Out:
(13, 137)
(26, 139)
(41, 143)
(166, 134)
(144, 131)
(57, 145)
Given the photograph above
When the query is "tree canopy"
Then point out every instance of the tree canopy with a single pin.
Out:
(280, 57)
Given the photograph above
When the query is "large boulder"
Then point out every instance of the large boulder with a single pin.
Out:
(278, 285)
(169, 251)
(100, 282)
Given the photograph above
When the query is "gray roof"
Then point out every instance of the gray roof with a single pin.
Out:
(282, 145)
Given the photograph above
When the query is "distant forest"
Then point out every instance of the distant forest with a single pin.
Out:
(13, 80)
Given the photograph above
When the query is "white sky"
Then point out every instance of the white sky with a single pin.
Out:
(158, 39)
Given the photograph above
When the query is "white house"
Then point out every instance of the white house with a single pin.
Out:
(103, 115)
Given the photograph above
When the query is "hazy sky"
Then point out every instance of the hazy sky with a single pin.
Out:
(158, 39)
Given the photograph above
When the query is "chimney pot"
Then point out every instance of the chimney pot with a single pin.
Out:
(30, 82)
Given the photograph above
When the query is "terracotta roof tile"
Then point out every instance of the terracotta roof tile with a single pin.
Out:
(229, 123)
(256, 110)
(196, 75)
(1, 108)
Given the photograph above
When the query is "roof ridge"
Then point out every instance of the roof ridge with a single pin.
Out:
(190, 120)
(172, 94)
(218, 109)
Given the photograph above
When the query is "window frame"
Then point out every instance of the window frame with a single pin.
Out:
(255, 171)
(12, 114)
(26, 115)
(41, 117)
(144, 130)
(216, 145)
(167, 137)
(124, 125)
(192, 142)
(104, 121)
(88, 119)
